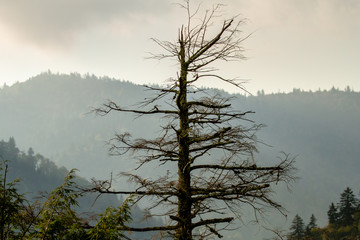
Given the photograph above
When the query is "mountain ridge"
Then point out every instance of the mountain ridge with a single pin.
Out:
(50, 112)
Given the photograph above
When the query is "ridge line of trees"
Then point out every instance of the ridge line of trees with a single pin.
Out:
(343, 218)
(62, 213)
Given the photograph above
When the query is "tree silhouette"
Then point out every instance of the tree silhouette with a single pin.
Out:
(297, 228)
(333, 215)
(312, 224)
(347, 207)
(211, 144)
(311, 230)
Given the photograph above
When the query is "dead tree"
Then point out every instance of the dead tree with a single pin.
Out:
(211, 144)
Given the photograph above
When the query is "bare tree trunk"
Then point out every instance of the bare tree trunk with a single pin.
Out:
(199, 125)
(184, 198)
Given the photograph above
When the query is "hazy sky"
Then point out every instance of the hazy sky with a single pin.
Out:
(307, 44)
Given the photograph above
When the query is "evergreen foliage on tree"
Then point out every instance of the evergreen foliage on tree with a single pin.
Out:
(111, 222)
(207, 190)
(344, 220)
(54, 218)
(58, 218)
(333, 215)
(347, 207)
(312, 224)
(312, 231)
(13, 207)
(297, 231)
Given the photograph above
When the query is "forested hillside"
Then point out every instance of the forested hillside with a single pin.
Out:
(37, 177)
(52, 114)
(343, 221)
(321, 128)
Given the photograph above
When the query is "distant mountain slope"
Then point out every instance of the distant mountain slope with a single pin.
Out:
(322, 128)
(50, 113)
(39, 176)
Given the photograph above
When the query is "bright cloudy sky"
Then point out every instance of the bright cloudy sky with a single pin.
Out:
(307, 44)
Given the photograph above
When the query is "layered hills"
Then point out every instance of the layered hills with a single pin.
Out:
(52, 113)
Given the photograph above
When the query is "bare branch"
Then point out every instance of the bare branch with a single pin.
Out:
(212, 145)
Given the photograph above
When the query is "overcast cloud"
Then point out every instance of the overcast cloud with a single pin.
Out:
(44, 22)
(306, 44)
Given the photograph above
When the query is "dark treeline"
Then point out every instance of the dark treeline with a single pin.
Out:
(38, 175)
(40, 200)
(31, 168)
(343, 221)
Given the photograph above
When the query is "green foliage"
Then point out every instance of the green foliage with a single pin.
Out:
(11, 206)
(58, 219)
(333, 215)
(58, 211)
(48, 113)
(297, 228)
(110, 223)
(312, 231)
(315, 234)
(312, 224)
(344, 221)
(39, 174)
(347, 207)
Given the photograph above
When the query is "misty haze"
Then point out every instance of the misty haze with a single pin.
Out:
(250, 131)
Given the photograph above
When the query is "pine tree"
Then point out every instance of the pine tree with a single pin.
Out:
(297, 228)
(347, 207)
(312, 224)
(333, 214)
(311, 231)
